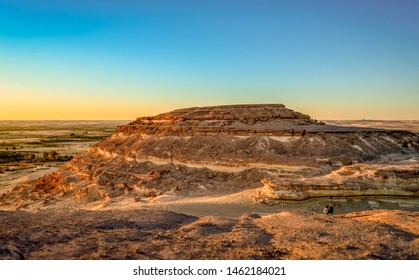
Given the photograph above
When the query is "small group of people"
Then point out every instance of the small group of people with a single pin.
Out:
(328, 209)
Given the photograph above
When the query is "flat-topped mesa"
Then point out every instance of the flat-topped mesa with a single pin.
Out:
(255, 112)
(227, 149)
(259, 118)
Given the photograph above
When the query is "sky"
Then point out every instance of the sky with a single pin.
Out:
(105, 59)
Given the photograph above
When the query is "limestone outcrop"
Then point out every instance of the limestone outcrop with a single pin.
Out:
(367, 182)
(227, 149)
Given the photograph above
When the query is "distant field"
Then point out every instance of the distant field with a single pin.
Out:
(409, 125)
(29, 149)
(34, 138)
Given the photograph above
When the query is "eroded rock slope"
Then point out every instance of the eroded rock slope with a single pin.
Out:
(226, 149)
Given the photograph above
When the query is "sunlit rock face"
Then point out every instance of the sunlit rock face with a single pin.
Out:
(227, 149)
(245, 134)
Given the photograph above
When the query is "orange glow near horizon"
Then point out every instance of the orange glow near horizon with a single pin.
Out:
(125, 59)
(42, 108)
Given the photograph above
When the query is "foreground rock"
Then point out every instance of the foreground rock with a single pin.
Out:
(209, 151)
(140, 234)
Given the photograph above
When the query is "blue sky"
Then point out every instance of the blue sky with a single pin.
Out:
(122, 59)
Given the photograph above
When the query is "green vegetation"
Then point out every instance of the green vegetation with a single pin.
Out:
(10, 157)
(6, 157)
(71, 138)
(54, 156)
(33, 142)
(53, 141)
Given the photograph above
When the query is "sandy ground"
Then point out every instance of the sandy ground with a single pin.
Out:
(144, 234)
(238, 204)
(9, 180)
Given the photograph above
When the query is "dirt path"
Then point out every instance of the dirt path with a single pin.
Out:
(238, 204)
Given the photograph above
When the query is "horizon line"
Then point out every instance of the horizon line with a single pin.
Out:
(117, 120)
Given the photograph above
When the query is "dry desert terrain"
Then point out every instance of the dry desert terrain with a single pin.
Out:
(222, 182)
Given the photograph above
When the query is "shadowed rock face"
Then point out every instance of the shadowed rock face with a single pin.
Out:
(226, 149)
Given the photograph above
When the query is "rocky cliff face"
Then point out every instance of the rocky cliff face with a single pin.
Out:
(244, 134)
(348, 181)
(220, 150)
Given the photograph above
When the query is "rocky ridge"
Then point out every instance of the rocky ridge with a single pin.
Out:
(226, 149)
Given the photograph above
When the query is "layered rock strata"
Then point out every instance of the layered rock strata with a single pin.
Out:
(221, 150)
(355, 180)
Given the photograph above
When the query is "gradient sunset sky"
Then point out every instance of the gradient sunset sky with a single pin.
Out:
(108, 59)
